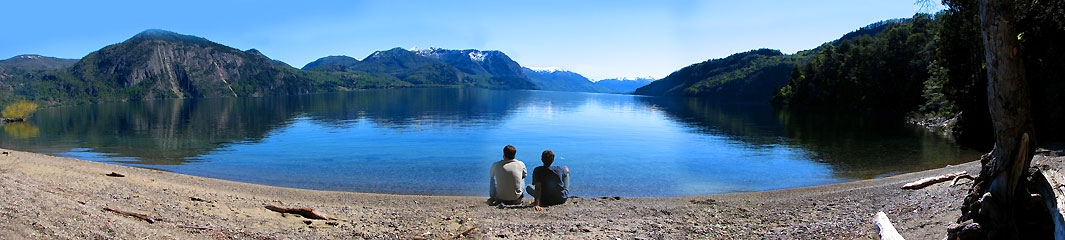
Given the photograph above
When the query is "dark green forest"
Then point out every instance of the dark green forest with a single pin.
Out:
(933, 66)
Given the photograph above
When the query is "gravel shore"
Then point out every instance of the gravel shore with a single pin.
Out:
(46, 197)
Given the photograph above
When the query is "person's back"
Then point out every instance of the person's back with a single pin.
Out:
(552, 180)
(506, 178)
(550, 184)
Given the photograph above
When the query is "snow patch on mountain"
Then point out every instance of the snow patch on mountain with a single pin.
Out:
(477, 56)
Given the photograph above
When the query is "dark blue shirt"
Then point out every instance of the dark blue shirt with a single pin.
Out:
(553, 183)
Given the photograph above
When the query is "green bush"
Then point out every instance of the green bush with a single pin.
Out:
(19, 110)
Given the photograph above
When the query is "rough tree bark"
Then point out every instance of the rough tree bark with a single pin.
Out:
(991, 202)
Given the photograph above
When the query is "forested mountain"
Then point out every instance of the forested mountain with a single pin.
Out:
(331, 63)
(560, 80)
(434, 68)
(752, 76)
(623, 86)
(161, 64)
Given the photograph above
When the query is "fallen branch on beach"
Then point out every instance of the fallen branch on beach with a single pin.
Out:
(466, 233)
(305, 212)
(919, 184)
(196, 228)
(132, 214)
(887, 231)
(114, 174)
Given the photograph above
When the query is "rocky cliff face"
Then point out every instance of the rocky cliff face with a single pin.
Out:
(161, 64)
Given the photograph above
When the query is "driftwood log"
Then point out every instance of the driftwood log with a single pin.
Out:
(305, 212)
(887, 230)
(131, 214)
(925, 182)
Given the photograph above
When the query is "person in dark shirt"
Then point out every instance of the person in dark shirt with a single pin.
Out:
(550, 184)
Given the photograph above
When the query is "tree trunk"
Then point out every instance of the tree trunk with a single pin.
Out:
(991, 201)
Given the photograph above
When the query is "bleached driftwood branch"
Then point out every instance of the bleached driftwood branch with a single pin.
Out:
(887, 231)
(919, 184)
(131, 214)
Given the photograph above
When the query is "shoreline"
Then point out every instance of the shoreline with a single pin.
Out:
(55, 197)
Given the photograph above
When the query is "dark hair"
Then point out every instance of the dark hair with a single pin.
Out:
(548, 157)
(509, 151)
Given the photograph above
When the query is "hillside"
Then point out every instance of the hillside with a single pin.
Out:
(162, 64)
(561, 80)
(752, 76)
(331, 63)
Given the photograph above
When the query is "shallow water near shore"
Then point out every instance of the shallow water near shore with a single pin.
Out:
(442, 141)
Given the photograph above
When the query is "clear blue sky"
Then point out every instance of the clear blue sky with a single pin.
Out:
(599, 39)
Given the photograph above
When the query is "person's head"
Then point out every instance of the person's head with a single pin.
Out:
(548, 157)
(509, 151)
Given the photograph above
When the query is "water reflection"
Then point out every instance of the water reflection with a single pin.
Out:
(171, 132)
(20, 130)
(855, 145)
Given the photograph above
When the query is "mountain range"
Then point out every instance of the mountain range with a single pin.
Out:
(157, 64)
(161, 64)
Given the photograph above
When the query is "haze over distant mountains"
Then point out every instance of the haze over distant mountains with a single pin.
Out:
(567, 81)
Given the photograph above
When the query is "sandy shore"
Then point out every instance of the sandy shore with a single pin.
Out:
(51, 197)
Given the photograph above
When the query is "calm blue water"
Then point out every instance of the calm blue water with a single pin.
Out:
(442, 141)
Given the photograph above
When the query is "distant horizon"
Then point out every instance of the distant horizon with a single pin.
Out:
(599, 40)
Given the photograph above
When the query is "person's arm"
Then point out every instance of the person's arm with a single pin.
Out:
(491, 184)
(565, 180)
(536, 196)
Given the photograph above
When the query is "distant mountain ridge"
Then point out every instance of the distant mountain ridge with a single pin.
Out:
(561, 80)
(35, 62)
(434, 67)
(622, 86)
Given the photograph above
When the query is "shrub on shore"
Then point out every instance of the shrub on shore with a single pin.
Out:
(18, 111)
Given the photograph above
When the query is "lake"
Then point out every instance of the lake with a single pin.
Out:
(442, 141)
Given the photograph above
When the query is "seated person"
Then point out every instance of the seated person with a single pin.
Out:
(550, 184)
(505, 179)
